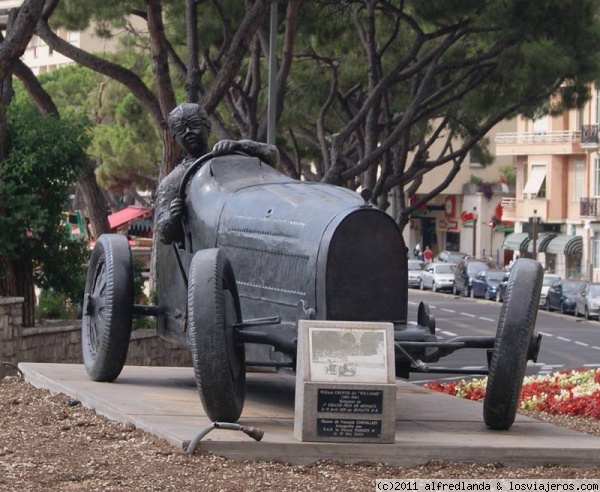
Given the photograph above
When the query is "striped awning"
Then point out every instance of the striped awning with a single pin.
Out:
(517, 241)
(542, 241)
(566, 245)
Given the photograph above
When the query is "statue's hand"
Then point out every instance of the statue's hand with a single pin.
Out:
(176, 208)
(225, 147)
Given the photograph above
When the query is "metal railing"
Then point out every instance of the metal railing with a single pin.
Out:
(539, 137)
(589, 207)
(509, 203)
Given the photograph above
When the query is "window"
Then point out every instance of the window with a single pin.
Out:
(578, 181)
(595, 253)
(579, 122)
(596, 175)
(540, 125)
(597, 105)
(536, 184)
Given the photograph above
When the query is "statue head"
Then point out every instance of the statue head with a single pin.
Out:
(191, 127)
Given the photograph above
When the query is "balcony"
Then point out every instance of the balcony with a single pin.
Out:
(541, 143)
(589, 207)
(509, 208)
(589, 137)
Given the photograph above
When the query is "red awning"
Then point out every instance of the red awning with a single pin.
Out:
(127, 215)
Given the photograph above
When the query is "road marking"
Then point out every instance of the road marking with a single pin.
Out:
(594, 347)
(486, 319)
(546, 334)
(564, 339)
(468, 314)
(549, 368)
(448, 310)
(581, 343)
(449, 333)
(591, 365)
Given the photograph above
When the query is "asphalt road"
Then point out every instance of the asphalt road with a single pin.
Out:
(567, 342)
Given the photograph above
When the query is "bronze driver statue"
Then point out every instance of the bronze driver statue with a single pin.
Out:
(191, 128)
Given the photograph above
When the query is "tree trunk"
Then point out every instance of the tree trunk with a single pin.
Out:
(95, 204)
(16, 280)
(25, 288)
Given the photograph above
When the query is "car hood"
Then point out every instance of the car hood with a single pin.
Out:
(444, 276)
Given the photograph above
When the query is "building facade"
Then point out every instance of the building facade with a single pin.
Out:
(557, 197)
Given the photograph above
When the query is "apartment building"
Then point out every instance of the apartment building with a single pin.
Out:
(467, 216)
(41, 58)
(556, 205)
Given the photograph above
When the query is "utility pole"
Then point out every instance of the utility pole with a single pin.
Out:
(474, 231)
(534, 223)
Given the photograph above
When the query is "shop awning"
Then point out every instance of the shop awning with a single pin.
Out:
(127, 215)
(505, 229)
(517, 241)
(542, 241)
(565, 245)
(536, 178)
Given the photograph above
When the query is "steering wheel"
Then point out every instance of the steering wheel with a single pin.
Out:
(190, 171)
(197, 164)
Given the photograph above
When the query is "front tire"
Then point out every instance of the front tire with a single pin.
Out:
(107, 308)
(433, 287)
(511, 346)
(218, 360)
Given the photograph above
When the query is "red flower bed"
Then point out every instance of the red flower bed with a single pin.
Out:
(563, 393)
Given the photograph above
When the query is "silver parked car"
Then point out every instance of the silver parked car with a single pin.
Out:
(438, 276)
(587, 301)
(415, 270)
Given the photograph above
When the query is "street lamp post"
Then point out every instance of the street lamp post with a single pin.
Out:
(534, 223)
(474, 231)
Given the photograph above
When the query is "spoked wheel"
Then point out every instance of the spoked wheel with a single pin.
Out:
(107, 308)
(219, 361)
(511, 346)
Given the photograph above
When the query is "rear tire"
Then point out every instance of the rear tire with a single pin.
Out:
(213, 310)
(107, 308)
(511, 346)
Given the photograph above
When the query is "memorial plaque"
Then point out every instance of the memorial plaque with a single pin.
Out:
(350, 401)
(345, 382)
(354, 428)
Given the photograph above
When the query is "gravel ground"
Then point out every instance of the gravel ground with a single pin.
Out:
(46, 444)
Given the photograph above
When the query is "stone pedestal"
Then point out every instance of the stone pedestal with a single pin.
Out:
(345, 382)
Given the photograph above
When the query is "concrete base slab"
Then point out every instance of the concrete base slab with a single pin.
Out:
(429, 425)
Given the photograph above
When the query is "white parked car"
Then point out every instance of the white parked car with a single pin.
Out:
(415, 270)
(549, 279)
(438, 276)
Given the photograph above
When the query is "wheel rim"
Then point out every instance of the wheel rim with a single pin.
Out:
(95, 306)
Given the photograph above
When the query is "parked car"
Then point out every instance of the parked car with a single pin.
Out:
(549, 279)
(485, 283)
(415, 272)
(449, 256)
(561, 295)
(466, 269)
(587, 300)
(438, 276)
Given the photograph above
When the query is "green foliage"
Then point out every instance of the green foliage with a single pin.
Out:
(509, 174)
(55, 305)
(125, 142)
(476, 180)
(45, 158)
